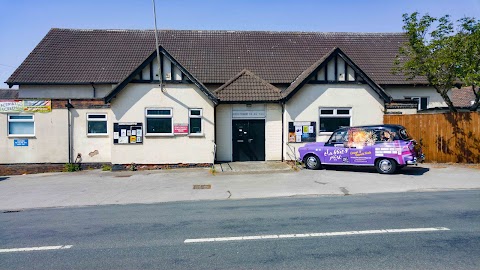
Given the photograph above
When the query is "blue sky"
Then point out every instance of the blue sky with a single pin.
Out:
(23, 23)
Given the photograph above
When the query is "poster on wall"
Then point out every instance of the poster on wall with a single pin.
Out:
(18, 105)
(302, 131)
(127, 133)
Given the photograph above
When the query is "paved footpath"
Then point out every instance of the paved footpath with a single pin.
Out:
(102, 188)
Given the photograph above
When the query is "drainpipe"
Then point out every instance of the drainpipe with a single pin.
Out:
(94, 90)
(69, 106)
(283, 127)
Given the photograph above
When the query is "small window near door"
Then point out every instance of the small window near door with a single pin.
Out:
(21, 125)
(332, 119)
(96, 124)
(422, 102)
(195, 121)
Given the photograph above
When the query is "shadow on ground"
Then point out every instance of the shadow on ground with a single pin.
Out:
(405, 171)
(3, 178)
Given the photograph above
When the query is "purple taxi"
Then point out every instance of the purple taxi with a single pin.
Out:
(387, 147)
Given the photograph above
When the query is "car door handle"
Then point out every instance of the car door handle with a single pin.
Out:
(239, 140)
(250, 140)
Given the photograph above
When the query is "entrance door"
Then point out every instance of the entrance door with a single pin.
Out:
(248, 140)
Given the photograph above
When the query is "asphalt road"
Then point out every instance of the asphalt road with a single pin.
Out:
(153, 236)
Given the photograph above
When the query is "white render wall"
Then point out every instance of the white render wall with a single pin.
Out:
(273, 132)
(367, 108)
(49, 145)
(91, 148)
(224, 132)
(129, 106)
(64, 91)
(434, 99)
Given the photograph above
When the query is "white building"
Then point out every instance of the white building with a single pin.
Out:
(94, 96)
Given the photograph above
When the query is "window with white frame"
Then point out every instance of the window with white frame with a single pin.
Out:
(21, 125)
(422, 102)
(97, 124)
(159, 121)
(334, 118)
(195, 121)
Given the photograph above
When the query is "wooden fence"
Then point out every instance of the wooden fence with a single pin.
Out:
(445, 137)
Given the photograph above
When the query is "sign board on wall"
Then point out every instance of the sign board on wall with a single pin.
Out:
(17, 105)
(20, 142)
(248, 114)
(127, 133)
(302, 131)
(180, 128)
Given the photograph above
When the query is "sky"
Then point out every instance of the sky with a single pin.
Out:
(23, 23)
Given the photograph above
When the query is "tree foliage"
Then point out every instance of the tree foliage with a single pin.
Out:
(440, 54)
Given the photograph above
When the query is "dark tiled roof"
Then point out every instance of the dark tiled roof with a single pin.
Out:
(84, 56)
(246, 86)
(8, 93)
(462, 97)
(307, 72)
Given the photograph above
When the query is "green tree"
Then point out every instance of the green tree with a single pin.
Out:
(467, 41)
(429, 53)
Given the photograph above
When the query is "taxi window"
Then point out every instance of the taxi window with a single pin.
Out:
(340, 136)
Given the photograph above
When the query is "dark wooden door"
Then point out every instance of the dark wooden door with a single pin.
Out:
(248, 140)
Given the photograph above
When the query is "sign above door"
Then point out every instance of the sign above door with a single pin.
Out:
(248, 114)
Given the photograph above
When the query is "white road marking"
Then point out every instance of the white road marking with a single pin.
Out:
(305, 235)
(35, 248)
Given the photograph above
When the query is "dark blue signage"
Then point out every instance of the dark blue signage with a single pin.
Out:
(20, 142)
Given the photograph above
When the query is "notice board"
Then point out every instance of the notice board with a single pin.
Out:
(302, 131)
(127, 133)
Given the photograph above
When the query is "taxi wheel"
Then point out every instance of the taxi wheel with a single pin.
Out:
(312, 162)
(386, 166)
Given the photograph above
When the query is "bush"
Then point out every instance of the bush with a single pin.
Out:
(133, 167)
(106, 167)
(71, 167)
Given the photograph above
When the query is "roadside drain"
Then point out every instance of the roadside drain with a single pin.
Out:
(123, 175)
(202, 186)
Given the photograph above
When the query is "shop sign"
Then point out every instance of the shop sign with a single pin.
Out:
(180, 129)
(20, 142)
(16, 105)
(248, 114)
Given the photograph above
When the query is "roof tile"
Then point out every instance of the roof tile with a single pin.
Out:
(108, 56)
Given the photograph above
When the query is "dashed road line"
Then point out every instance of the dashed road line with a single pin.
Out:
(35, 248)
(305, 235)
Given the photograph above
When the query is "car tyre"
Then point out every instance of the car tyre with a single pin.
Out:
(386, 166)
(312, 162)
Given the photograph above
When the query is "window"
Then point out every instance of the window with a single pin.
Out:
(159, 121)
(334, 118)
(422, 102)
(195, 119)
(21, 125)
(97, 124)
(339, 137)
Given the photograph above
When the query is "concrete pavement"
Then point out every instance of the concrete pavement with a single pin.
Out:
(101, 188)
